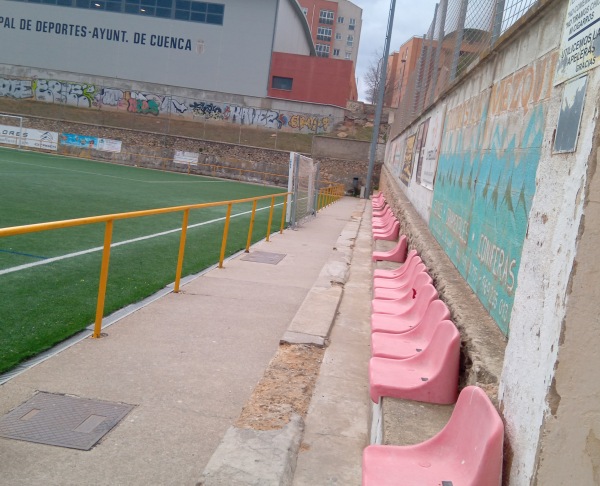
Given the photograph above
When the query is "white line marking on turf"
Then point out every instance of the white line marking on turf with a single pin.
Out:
(120, 243)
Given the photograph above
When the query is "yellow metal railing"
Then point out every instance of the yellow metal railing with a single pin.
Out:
(111, 218)
(330, 194)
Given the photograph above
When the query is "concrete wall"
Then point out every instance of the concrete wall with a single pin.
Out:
(147, 99)
(342, 148)
(230, 161)
(124, 46)
(509, 212)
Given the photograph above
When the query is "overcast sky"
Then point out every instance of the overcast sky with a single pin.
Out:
(411, 18)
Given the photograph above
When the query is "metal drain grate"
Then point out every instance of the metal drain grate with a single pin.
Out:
(64, 421)
(264, 257)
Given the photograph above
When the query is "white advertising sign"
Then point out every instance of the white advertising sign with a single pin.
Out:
(432, 147)
(580, 45)
(108, 145)
(190, 158)
(29, 137)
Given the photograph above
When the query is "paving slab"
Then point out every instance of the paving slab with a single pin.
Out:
(187, 363)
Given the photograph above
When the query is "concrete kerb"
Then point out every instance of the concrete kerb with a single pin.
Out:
(248, 457)
(312, 323)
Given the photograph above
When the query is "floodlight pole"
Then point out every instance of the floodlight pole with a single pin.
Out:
(380, 94)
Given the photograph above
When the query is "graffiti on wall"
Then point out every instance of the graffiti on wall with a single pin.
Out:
(86, 95)
(74, 94)
(16, 88)
(485, 183)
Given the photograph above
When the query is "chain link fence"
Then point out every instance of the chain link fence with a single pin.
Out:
(459, 32)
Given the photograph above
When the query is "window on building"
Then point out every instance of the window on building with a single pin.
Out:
(324, 34)
(326, 17)
(322, 50)
(188, 10)
(340, 20)
(352, 24)
(338, 36)
(336, 53)
(305, 11)
(279, 82)
(350, 40)
(348, 55)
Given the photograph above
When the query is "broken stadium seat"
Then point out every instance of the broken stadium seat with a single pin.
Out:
(413, 302)
(396, 254)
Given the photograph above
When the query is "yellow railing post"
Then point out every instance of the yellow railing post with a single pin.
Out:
(103, 279)
(249, 242)
(184, 226)
(283, 213)
(270, 218)
(225, 233)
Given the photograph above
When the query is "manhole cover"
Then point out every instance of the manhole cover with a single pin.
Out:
(59, 420)
(264, 257)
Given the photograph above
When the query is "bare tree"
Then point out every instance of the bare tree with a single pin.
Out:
(372, 78)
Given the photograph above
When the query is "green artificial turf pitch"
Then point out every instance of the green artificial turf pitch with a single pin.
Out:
(43, 305)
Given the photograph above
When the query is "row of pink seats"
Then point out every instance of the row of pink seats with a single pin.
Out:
(407, 311)
(416, 352)
(385, 225)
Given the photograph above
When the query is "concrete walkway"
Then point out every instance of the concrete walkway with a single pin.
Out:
(189, 362)
(339, 415)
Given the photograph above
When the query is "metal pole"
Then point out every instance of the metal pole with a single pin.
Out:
(462, 15)
(316, 189)
(498, 15)
(249, 242)
(103, 279)
(184, 226)
(225, 233)
(379, 108)
(440, 39)
(295, 190)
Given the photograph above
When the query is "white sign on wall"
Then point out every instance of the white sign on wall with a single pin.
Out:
(29, 137)
(580, 45)
(432, 147)
(108, 145)
(187, 158)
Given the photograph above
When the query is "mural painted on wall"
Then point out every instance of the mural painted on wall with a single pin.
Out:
(85, 95)
(485, 182)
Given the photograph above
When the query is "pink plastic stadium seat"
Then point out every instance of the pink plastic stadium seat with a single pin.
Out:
(405, 345)
(384, 221)
(378, 200)
(385, 273)
(378, 213)
(417, 266)
(421, 277)
(416, 301)
(397, 254)
(430, 376)
(389, 233)
(466, 452)
(390, 323)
